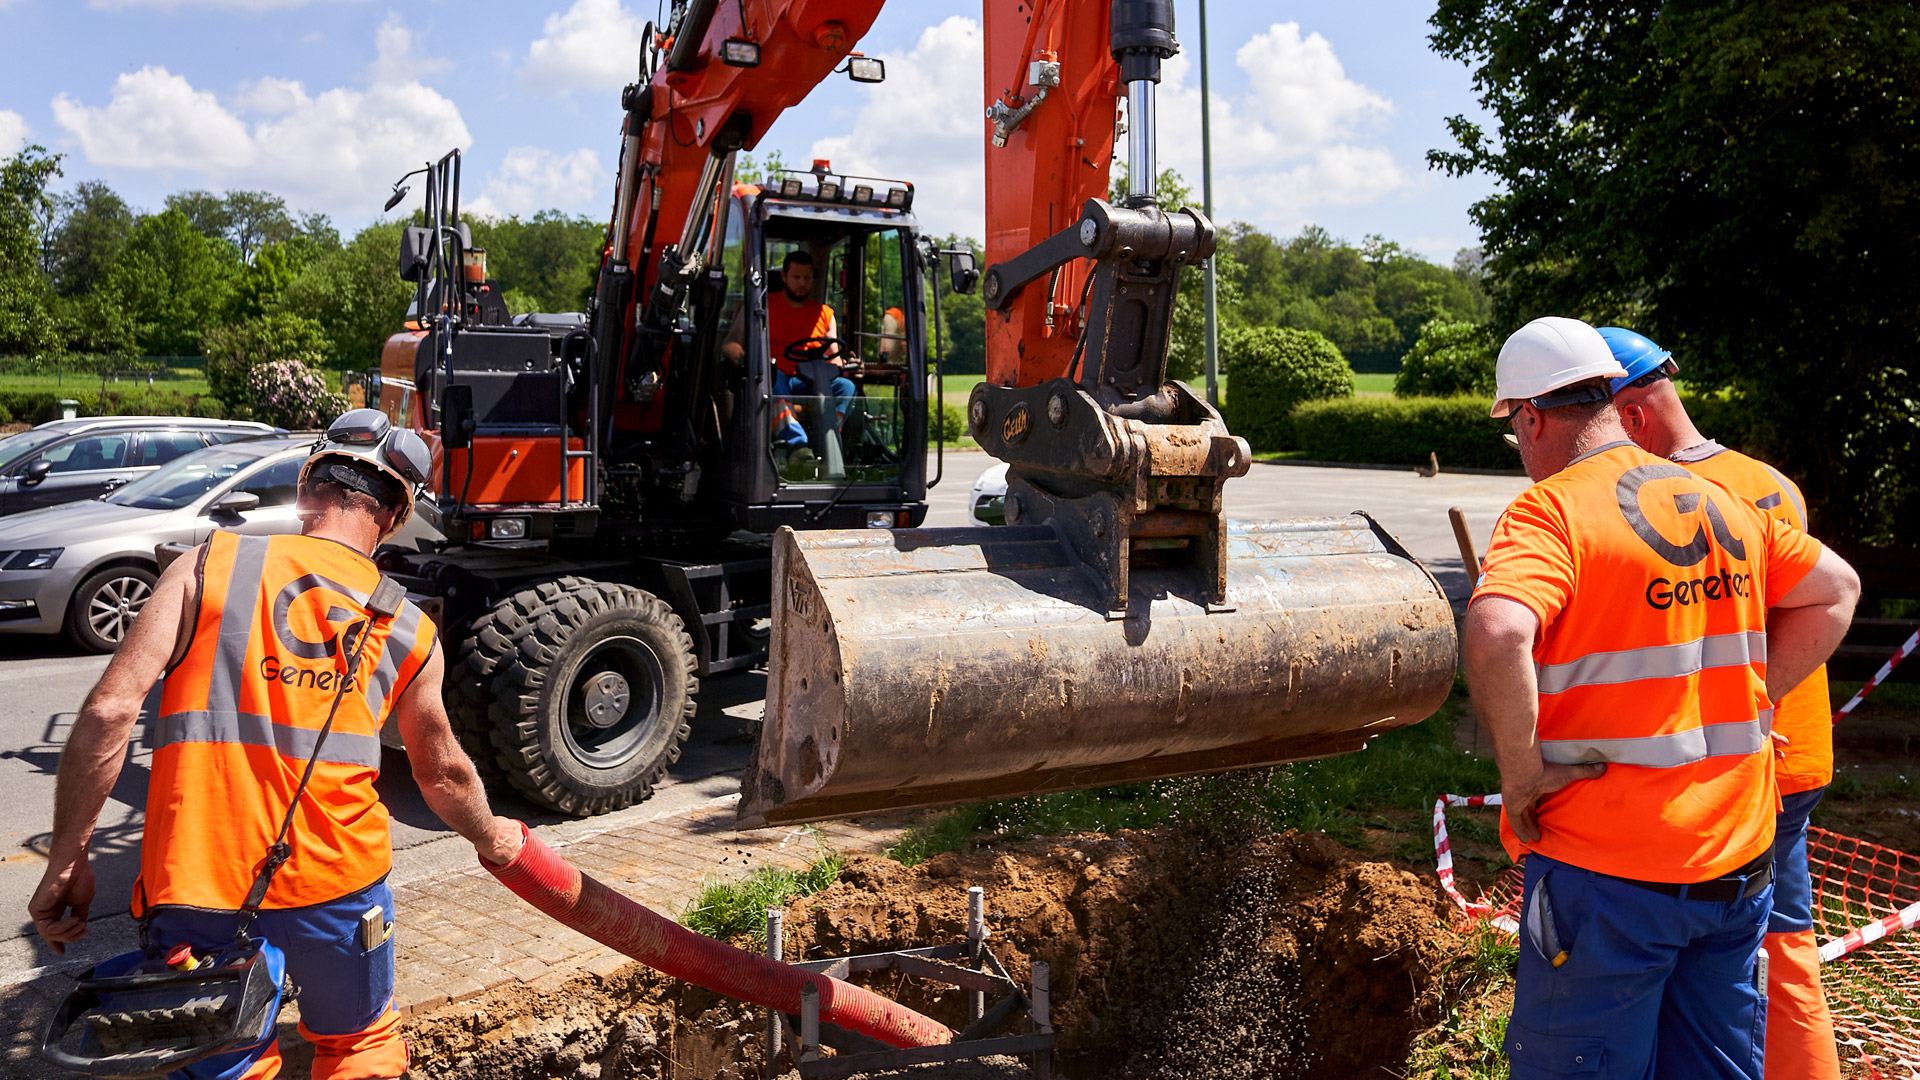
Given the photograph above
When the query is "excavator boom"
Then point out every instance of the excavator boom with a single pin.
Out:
(1120, 628)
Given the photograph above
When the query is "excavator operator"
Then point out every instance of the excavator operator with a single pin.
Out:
(283, 656)
(795, 320)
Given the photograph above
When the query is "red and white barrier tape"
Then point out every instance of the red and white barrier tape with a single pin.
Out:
(1443, 850)
(1885, 670)
(1904, 919)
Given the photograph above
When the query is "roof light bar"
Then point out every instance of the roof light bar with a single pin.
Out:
(863, 193)
(897, 198)
(790, 188)
(829, 191)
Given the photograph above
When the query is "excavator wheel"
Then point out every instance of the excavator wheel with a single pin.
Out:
(587, 689)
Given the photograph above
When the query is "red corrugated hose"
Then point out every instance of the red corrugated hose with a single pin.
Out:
(562, 892)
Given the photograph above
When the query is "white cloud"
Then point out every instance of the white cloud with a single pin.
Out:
(335, 151)
(593, 45)
(925, 124)
(1297, 139)
(175, 5)
(531, 179)
(13, 132)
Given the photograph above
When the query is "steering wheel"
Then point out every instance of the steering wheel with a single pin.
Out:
(833, 350)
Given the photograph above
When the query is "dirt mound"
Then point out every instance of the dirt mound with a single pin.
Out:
(1174, 954)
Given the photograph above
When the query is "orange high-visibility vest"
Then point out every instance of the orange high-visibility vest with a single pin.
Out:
(1805, 715)
(788, 322)
(240, 715)
(1652, 587)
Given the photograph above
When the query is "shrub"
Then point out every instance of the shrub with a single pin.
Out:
(1274, 369)
(1403, 431)
(1449, 358)
(236, 349)
(292, 395)
(953, 423)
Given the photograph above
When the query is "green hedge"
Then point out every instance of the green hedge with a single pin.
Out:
(1403, 431)
(39, 406)
(1274, 369)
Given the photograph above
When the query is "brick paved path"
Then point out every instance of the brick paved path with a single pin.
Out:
(464, 934)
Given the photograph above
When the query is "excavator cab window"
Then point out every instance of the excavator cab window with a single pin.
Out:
(841, 419)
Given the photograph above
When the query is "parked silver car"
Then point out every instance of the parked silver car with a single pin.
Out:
(87, 568)
(65, 461)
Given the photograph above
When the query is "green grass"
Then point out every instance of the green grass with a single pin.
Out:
(1342, 795)
(190, 382)
(728, 909)
(1372, 382)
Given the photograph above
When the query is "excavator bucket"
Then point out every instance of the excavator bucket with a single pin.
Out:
(923, 667)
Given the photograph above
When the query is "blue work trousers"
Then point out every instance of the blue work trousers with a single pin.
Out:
(1653, 986)
(790, 386)
(344, 989)
(1792, 883)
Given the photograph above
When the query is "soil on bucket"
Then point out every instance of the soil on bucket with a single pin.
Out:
(1173, 954)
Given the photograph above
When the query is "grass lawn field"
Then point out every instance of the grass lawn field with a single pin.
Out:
(1364, 384)
(80, 385)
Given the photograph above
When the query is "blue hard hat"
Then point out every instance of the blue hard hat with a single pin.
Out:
(1637, 353)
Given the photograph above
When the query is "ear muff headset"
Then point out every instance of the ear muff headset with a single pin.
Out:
(362, 450)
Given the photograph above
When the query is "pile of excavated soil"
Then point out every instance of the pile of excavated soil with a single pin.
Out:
(1172, 954)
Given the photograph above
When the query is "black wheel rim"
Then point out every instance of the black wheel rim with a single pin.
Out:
(111, 608)
(613, 702)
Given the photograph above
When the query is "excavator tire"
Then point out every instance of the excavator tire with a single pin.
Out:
(582, 690)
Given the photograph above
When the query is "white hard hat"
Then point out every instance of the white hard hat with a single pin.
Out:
(1547, 354)
(365, 437)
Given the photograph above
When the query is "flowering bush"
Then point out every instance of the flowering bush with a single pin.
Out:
(292, 395)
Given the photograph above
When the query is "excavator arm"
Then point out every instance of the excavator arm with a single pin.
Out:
(1119, 628)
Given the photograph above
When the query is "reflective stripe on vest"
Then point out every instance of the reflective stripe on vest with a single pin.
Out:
(1666, 751)
(1655, 662)
(249, 729)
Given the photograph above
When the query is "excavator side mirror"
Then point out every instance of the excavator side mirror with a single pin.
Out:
(416, 253)
(456, 416)
(961, 271)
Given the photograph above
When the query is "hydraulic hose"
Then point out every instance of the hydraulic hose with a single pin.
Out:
(559, 890)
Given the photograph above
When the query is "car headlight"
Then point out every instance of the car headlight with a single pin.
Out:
(33, 559)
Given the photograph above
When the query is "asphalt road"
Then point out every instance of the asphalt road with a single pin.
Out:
(42, 682)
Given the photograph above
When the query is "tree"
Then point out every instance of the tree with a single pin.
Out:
(551, 258)
(747, 171)
(206, 212)
(1740, 181)
(355, 294)
(963, 316)
(174, 283)
(257, 218)
(27, 323)
(259, 287)
(94, 224)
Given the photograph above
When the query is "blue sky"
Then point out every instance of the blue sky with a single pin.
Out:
(1323, 111)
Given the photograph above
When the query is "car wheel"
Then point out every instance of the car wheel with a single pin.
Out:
(102, 609)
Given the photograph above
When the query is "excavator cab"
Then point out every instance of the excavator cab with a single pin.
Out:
(837, 419)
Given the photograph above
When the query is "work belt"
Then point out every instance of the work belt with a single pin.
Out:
(1742, 884)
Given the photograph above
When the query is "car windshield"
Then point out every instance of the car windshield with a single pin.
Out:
(18, 446)
(190, 477)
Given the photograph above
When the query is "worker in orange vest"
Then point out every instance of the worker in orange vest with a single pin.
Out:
(1800, 1040)
(1631, 629)
(255, 635)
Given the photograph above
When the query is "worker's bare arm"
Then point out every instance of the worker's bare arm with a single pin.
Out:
(444, 772)
(1498, 648)
(1808, 623)
(97, 748)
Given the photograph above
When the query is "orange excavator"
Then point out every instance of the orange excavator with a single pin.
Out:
(634, 499)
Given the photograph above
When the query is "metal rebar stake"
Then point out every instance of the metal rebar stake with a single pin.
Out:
(776, 918)
(1042, 1059)
(976, 945)
(809, 1022)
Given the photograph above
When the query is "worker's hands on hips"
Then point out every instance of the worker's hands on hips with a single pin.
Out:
(60, 902)
(1522, 795)
(501, 848)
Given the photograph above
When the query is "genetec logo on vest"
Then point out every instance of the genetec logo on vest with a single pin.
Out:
(1663, 593)
(286, 672)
